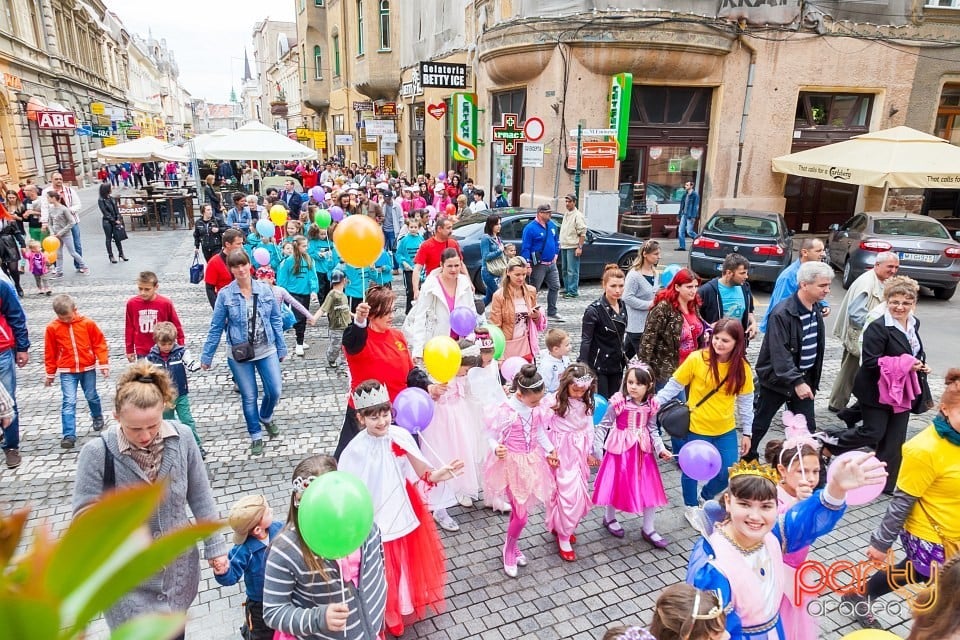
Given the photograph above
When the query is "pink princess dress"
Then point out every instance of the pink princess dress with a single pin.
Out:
(572, 437)
(523, 475)
(455, 432)
(629, 479)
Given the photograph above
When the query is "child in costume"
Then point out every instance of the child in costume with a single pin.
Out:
(797, 460)
(742, 557)
(628, 479)
(486, 393)
(570, 429)
(386, 457)
(681, 613)
(518, 466)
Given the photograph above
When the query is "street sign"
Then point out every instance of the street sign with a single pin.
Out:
(379, 127)
(510, 132)
(532, 155)
(533, 129)
(593, 132)
(343, 140)
(390, 138)
(463, 127)
(56, 120)
(366, 105)
(593, 155)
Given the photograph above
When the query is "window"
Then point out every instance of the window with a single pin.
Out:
(7, 24)
(337, 123)
(384, 25)
(317, 63)
(336, 56)
(318, 3)
(303, 61)
(833, 110)
(943, 4)
(359, 27)
(948, 114)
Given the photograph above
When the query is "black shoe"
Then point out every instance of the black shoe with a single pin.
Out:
(124, 258)
(113, 260)
(68, 442)
(833, 409)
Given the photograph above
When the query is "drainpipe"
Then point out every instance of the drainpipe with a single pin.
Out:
(746, 106)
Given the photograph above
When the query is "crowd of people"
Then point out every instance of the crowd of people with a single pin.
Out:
(521, 423)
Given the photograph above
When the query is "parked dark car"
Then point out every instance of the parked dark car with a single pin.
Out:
(601, 248)
(927, 252)
(761, 237)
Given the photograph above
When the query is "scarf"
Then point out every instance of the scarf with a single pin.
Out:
(945, 431)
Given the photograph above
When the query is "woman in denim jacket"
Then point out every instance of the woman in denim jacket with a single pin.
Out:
(233, 313)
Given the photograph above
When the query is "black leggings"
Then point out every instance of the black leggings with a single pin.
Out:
(879, 585)
(300, 327)
(609, 383)
(12, 269)
(108, 229)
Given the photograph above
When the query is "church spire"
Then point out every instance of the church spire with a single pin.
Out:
(246, 66)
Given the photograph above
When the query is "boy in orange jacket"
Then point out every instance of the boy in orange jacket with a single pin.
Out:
(75, 348)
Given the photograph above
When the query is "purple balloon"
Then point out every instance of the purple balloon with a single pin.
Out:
(317, 194)
(700, 460)
(463, 321)
(441, 176)
(336, 213)
(414, 408)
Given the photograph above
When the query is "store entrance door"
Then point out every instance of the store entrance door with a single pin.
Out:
(63, 154)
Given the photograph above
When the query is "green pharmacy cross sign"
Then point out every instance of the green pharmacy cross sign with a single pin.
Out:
(510, 133)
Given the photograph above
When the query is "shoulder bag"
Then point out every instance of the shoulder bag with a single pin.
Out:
(496, 266)
(109, 469)
(923, 401)
(196, 271)
(950, 547)
(674, 416)
(244, 351)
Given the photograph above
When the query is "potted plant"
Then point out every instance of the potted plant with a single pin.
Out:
(278, 106)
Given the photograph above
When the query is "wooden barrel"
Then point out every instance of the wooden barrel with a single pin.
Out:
(636, 225)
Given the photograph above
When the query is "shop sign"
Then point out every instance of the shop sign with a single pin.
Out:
(365, 105)
(760, 11)
(390, 138)
(103, 120)
(532, 155)
(303, 134)
(84, 130)
(437, 110)
(56, 120)
(443, 75)
(463, 127)
(696, 152)
(593, 155)
(412, 88)
(366, 145)
(100, 131)
(379, 127)
(387, 110)
(388, 149)
(98, 108)
(109, 142)
(621, 90)
(320, 138)
(133, 210)
(509, 133)
(343, 140)
(674, 165)
(12, 82)
(126, 124)
(133, 133)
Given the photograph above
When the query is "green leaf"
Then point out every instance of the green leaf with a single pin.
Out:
(151, 627)
(117, 580)
(26, 618)
(95, 534)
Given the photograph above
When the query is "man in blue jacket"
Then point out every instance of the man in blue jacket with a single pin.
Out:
(292, 199)
(689, 212)
(541, 247)
(729, 294)
(14, 343)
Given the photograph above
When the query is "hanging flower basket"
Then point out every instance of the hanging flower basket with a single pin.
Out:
(278, 108)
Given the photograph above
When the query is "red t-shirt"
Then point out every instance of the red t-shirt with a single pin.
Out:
(385, 357)
(428, 255)
(142, 317)
(309, 179)
(217, 274)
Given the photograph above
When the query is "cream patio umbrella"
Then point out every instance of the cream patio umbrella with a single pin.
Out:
(199, 143)
(146, 149)
(900, 157)
(256, 141)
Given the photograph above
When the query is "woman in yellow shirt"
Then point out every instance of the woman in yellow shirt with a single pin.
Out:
(925, 509)
(722, 365)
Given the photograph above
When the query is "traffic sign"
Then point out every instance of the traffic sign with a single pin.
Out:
(532, 155)
(593, 132)
(365, 105)
(533, 129)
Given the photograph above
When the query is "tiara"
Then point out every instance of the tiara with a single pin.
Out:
(473, 351)
(300, 483)
(485, 341)
(364, 399)
(754, 468)
(636, 363)
(583, 382)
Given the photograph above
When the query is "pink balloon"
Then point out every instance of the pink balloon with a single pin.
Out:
(860, 495)
(511, 367)
(262, 256)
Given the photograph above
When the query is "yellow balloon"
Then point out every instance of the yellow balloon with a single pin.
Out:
(279, 216)
(441, 357)
(51, 243)
(359, 240)
(278, 208)
(870, 634)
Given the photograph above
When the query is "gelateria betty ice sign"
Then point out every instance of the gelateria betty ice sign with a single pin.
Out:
(760, 11)
(443, 75)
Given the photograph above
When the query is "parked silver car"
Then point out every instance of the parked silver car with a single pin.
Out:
(927, 252)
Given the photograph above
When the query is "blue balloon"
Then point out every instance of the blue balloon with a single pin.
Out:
(668, 272)
(266, 228)
(599, 408)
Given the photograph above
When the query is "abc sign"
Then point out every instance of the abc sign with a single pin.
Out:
(56, 120)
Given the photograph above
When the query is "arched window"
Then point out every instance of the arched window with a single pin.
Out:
(317, 62)
(336, 56)
(384, 25)
(359, 27)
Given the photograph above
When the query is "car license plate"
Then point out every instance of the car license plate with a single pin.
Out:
(917, 257)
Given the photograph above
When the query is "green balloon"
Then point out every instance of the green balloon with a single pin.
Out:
(336, 515)
(499, 340)
(323, 218)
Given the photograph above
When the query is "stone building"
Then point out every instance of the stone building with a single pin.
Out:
(276, 62)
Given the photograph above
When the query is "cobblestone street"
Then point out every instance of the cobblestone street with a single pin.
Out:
(614, 581)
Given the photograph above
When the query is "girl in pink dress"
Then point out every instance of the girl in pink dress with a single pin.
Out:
(570, 429)
(797, 459)
(628, 479)
(517, 466)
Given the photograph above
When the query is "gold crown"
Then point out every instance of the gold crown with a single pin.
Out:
(754, 468)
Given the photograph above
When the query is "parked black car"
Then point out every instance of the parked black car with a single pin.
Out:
(761, 237)
(602, 247)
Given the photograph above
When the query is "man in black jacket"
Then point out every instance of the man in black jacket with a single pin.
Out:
(791, 355)
(729, 295)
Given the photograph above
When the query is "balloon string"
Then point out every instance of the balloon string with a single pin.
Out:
(453, 473)
(363, 283)
(343, 594)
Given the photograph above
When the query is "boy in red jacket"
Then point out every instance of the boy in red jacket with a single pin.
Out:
(75, 348)
(144, 311)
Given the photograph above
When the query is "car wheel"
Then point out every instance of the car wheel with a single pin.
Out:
(848, 276)
(944, 293)
(627, 260)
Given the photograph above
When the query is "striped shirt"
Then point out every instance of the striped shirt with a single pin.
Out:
(808, 347)
(295, 599)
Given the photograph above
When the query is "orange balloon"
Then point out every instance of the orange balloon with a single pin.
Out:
(451, 209)
(51, 256)
(51, 243)
(359, 240)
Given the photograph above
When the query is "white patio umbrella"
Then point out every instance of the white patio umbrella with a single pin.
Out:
(146, 149)
(200, 142)
(256, 141)
(900, 157)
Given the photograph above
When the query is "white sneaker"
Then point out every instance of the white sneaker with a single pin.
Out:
(299, 350)
(465, 501)
(445, 520)
(694, 516)
(305, 345)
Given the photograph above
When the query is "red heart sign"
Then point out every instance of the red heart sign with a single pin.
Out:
(437, 110)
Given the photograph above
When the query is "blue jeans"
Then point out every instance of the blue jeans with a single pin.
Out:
(75, 232)
(571, 272)
(686, 229)
(729, 447)
(491, 283)
(244, 374)
(390, 237)
(68, 408)
(8, 378)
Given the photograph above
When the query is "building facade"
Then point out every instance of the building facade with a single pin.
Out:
(276, 61)
(315, 75)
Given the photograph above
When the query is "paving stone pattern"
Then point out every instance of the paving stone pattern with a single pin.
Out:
(613, 581)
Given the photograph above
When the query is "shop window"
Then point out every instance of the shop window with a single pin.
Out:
(948, 114)
(833, 110)
(676, 106)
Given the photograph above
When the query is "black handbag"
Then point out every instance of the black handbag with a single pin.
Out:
(196, 271)
(119, 232)
(674, 416)
(244, 351)
(923, 401)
